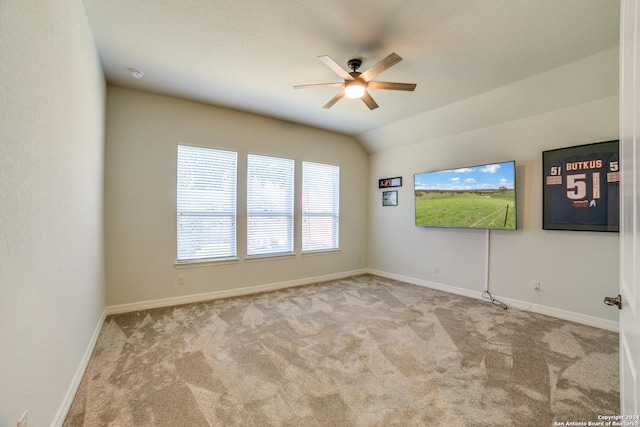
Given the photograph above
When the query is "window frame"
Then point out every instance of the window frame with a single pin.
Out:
(297, 213)
(213, 211)
(334, 214)
(288, 214)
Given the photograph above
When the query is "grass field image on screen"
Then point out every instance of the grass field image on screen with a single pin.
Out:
(482, 196)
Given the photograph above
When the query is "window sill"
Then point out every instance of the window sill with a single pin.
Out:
(321, 252)
(205, 262)
(251, 258)
(266, 257)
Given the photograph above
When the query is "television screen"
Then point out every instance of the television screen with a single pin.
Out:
(482, 196)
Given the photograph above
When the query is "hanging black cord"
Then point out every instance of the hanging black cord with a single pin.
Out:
(492, 300)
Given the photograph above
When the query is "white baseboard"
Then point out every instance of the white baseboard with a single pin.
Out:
(60, 416)
(535, 308)
(188, 299)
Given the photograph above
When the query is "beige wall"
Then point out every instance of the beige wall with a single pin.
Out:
(51, 211)
(143, 131)
(576, 269)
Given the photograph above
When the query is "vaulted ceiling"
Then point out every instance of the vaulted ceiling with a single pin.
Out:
(248, 55)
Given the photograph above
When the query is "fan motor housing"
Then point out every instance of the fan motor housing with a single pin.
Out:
(354, 63)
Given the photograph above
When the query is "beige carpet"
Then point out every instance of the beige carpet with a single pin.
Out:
(362, 351)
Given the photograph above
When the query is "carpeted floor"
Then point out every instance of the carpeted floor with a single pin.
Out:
(361, 351)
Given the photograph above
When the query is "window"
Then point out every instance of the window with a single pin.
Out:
(320, 206)
(206, 203)
(269, 205)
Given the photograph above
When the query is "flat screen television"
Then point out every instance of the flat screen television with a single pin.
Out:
(481, 196)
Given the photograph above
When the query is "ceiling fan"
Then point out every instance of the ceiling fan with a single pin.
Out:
(356, 84)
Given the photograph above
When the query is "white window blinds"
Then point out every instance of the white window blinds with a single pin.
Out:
(320, 206)
(206, 202)
(269, 205)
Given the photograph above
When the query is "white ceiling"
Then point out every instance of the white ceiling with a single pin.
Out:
(247, 54)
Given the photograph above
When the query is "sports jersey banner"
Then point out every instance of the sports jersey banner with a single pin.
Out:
(580, 187)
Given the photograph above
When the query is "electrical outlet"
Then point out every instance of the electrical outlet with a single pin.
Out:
(23, 421)
(535, 285)
(436, 269)
(181, 280)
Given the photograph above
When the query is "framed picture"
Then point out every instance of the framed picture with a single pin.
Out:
(580, 188)
(390, 198)
(390, 182)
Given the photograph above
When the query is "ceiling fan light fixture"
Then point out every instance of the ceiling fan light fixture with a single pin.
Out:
(354, 90)
(356, 84)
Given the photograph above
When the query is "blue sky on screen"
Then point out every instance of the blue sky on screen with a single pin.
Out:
(483, 177)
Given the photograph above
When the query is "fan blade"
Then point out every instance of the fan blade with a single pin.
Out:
(367, 99)
(387, 62)
(392, 86)
(335, 67)
(319, 85)
(335, 99)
